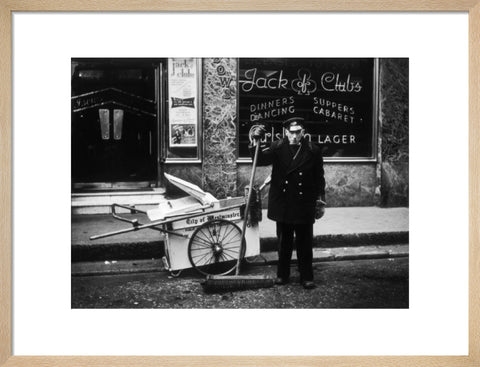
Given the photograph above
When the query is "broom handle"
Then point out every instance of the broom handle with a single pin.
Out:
(247, 206)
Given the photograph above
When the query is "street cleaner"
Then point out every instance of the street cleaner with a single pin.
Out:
(296, 197)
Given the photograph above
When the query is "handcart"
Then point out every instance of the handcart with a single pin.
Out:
(199, 231)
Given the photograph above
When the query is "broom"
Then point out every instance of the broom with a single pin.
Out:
(228, 283)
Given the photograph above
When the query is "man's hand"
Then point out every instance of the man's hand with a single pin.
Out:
(319, 209)
(258, 132)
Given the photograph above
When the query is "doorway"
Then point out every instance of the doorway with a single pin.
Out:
(115, 123)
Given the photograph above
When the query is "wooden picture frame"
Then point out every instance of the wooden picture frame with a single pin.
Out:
(7, 8)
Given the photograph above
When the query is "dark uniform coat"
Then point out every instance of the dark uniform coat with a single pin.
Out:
(296, 183)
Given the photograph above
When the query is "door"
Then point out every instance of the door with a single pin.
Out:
(114, 123)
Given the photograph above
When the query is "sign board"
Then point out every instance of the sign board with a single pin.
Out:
(336, 97)
(232, 215)
(183, 104)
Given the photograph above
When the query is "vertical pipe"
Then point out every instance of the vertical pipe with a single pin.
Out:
(377, 131)
(159, 184)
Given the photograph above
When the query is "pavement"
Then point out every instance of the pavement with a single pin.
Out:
(345, 233)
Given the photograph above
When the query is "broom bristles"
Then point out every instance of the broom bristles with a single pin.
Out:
(228, 283)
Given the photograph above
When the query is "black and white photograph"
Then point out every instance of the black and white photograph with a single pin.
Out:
(245, 183)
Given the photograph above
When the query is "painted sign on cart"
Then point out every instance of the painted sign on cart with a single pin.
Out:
(191, 224)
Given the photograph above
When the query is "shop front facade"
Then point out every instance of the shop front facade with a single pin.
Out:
(135, 119)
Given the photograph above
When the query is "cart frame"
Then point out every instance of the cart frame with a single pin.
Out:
(210, 251)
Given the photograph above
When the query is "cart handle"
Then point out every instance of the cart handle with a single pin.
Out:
(137, 228)
(154, 225)
(133, 222)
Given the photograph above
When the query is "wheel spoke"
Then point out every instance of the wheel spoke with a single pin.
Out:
(217, 229)
(202, 257)
(206, 239)
(222, 256)
(226, 229)
(234, 250)
(210, 232)
(227, 256)
(213, 226)
(236, 244)
(212, 259)
(233, 238)
(201, 249)
(201, 240)
(226, 234)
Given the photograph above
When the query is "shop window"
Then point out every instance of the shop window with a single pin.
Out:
(336, 97)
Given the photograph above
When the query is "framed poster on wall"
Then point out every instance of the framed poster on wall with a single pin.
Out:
(182, 102)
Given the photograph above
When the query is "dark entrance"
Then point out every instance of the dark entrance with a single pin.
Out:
(115, 123)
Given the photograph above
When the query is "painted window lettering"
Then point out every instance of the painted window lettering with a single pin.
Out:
(271, 109)
(333, 110)
(304, 85)
(335, 83)
(275, 80)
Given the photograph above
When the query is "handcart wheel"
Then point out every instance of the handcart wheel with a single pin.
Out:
(215, 246)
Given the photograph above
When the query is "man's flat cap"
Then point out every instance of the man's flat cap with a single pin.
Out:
(294, 123)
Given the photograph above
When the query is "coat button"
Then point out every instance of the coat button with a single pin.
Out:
(299, 184)
(283, 190)
(301, 193)
(300, 173)
(286, 182)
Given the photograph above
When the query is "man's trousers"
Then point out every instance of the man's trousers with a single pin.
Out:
(304, 242)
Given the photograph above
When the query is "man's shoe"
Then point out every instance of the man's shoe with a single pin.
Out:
(281, 281)
(308, 284)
